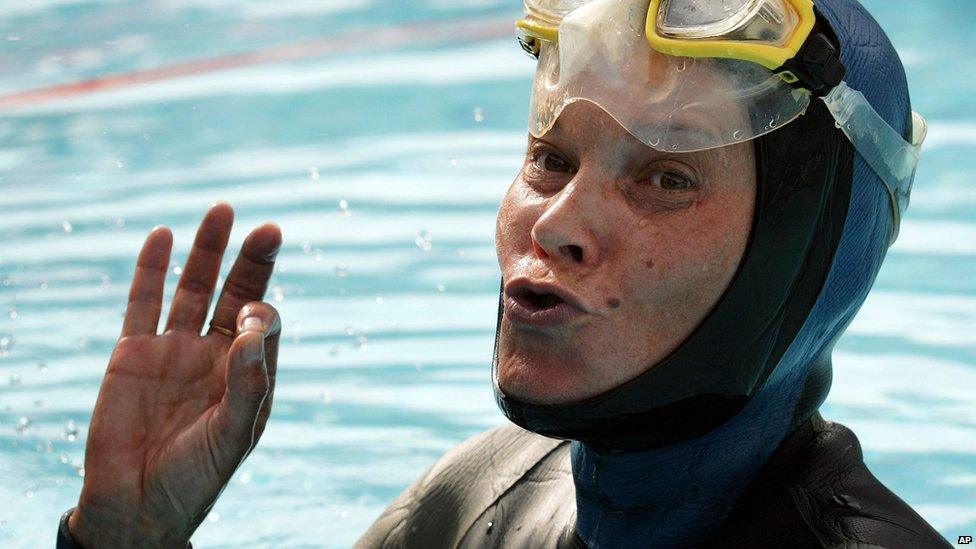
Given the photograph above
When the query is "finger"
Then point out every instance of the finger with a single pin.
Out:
(146, 292)
(262, 317)
(247, 387)
(200, 273)
(248, 278)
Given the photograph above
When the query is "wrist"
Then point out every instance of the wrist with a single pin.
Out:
(92, 529)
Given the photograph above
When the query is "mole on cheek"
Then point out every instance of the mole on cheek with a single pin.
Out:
(614, 303)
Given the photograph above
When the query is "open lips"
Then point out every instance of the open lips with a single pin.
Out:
(541, 304)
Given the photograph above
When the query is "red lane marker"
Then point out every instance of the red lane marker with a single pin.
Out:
(465, 30)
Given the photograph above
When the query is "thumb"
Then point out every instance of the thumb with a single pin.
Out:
(247, 388)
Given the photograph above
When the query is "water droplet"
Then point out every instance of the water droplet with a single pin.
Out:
(82, 342)
(306, 247)
(66, 226)
(491, 526)
(379, 300)
(43, 285)
(14, 380)
(245, 477)
(29, 494)
(81, 472)
(773, 123)
(119, 164)
(70, 431)
(424, 241)
(213, 516)
(344, 208)
(42, 367)
(441, 288)
(313, 172)
(361, 342)
(479, 115)
(350, 330)
(342, 513)
(119, 222)
(682, 65)
(6, 343)
(64, 458)
(5, 281)
(177, 270)
(318, 255)
(655, 141)
(279, 294)
(107, 281)
(22, 425)
(454, 162)
(341, 270)
(326, 398)
(737, 135)
(13, 313)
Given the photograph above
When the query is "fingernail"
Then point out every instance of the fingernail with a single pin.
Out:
(252, 324)
(270, 256)
(253, 350)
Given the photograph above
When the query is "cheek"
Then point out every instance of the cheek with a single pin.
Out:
(513, 231)
(689, 258)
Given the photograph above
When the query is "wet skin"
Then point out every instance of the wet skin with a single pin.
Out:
(644, 242)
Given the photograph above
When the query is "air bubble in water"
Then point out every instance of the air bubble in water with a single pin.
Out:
(344, 208)
(66, 226)
(479, 115)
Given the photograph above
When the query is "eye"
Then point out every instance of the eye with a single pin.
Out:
(552, 162)
(672, 181)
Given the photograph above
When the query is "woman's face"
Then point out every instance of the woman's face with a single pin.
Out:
(612, 253)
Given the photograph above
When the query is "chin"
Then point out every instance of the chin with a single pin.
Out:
(533, 371)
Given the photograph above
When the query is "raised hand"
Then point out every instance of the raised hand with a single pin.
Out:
(178, 412)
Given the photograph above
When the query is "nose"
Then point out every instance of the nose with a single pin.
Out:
(565, 232)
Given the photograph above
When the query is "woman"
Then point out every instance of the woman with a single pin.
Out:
(680, 251)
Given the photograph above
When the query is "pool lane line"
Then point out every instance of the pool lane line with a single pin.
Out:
(428, 31)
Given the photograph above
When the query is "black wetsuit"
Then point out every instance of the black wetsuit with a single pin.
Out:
(512, 488)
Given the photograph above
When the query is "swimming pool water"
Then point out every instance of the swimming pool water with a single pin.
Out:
(384, 168)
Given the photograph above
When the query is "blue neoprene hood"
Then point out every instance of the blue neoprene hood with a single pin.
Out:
(661, 460)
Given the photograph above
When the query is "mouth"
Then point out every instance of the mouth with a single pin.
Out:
(541, 305)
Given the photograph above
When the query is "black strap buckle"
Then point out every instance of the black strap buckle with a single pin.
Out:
(817, 66)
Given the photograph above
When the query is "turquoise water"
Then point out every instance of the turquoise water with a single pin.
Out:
(384, 168)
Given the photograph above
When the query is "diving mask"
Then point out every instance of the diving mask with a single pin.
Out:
(691, 75)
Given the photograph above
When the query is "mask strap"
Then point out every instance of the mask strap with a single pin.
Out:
(889, 155)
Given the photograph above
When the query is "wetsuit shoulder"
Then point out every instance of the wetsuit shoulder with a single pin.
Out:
(816, 491)
(440, 508)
